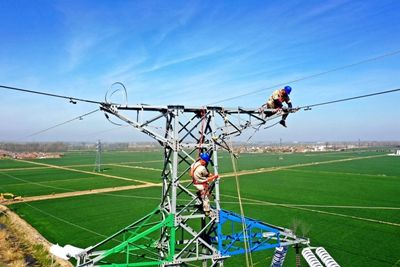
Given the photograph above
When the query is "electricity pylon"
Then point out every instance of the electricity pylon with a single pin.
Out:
(97, 164)
(177, 232)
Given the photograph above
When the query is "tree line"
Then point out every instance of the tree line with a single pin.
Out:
(35, 147)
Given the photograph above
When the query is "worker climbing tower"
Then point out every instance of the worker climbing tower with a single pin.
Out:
(177, 232)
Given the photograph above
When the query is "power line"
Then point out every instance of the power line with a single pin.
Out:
(306, 106)
(65, 221)
(308, 77)
(70, 190)
(351, 98)
(113, 129)
(79, 117)
(71, 99)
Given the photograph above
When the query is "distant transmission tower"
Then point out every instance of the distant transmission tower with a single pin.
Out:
(280, 148)
(97, 164)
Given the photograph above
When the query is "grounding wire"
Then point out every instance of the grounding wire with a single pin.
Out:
(79, 117)
(308, 77)
(351, 98)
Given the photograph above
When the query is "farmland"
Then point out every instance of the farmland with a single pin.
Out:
(346, 202)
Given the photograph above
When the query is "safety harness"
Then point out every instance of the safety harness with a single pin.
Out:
(205, 184)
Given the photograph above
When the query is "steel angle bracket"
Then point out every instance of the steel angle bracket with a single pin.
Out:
(135, 245)
(242, 119)
(235, 235)
(143, 127)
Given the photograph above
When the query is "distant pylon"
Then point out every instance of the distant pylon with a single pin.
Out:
(97, 164)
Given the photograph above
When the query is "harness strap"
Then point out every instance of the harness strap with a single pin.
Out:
(192, 171)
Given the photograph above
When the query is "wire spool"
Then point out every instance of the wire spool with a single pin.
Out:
(310, 258)
(279, 256)
(326, 257)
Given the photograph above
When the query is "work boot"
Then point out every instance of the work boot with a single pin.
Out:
(283, 123)
(207, 213)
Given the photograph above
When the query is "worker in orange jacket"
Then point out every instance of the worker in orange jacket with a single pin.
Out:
(201, 179)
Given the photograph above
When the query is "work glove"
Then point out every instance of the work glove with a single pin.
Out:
(212, 178)
(293, 110)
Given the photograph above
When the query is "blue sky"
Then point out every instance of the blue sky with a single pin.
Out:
(200, 52)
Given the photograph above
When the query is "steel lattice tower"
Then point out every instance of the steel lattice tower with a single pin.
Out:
(97, 164)
(177, 233)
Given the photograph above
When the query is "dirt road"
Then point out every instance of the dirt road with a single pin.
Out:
(147, 184)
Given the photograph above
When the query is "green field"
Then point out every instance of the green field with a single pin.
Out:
(346, 202)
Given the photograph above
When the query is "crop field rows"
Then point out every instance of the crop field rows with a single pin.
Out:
(345, 202)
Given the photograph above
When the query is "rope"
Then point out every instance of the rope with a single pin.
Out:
(203, 113)
(249, 258)
(271, 125)
(249, 138)
(254, 134)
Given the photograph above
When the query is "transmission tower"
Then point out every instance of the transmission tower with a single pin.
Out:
(97, 164)
(177, 232)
